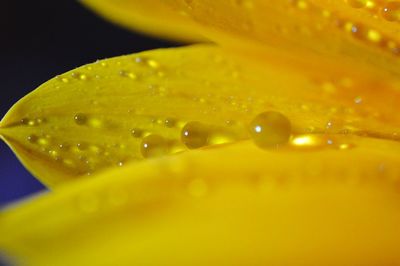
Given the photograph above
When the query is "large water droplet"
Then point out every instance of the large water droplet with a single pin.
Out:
(270, 129)
(195, 135)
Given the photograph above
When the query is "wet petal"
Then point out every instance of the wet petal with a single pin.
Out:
(135, 15)
(351, 34)
(162, 102)
(235, 205)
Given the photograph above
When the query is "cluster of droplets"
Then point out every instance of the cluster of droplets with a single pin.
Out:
(268, 130)
(32, 122)
(154, 67)
(389, 10)
(192, 135)
(79, 157)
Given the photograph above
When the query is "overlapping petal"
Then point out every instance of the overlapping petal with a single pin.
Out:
(234, 206)
(357, 33)
(128, 108)
(152, 17)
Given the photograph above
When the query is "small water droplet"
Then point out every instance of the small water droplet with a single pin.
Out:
(391, 11)
(32, 138)
(137, 133)
(154, 146)
(152, 63)
(127, 74)
(80, 119)
(170, 122)
(43, 141)
(270, 129)
(95, 122)
(358, 100)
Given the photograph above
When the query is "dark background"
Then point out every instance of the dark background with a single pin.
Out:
(39, 40)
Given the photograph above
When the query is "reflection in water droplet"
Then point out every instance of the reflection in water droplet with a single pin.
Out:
(270, 129)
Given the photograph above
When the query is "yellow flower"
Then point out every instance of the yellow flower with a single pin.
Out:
(274, 142)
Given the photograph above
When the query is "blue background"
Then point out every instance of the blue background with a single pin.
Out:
(39, 40)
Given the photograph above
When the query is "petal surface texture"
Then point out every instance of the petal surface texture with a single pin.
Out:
(239, 205)
(162, 102)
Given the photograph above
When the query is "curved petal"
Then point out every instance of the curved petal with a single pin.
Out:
(351, 32)
(135, 15)
(280, 207)
(134, 107)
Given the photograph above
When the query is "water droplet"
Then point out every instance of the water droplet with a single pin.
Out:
(310, 141)
(53, 154)
(82, 77)
(374, 36)
(358, 100)
(95, 122)
(80, 119)
(82, 146)
(43, 141)
(270, 129)
(301, 4)
(32, 138)
(137, 133)
(127, 74)
(153, 146)
(152, 63)
(391, 11)
(170, 122)
(195, 135)
(345, 146)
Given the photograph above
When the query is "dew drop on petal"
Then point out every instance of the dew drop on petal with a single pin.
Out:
(195, 135)
(391, 11)
(153, 146)
(270, 129)
(136, 133)
(80, 119)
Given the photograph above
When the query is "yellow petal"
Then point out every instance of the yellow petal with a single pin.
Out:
(238, 205)
(135, 15)
(128, 108)
(345, 33)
